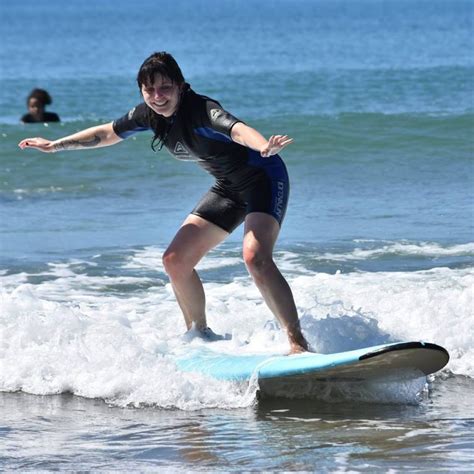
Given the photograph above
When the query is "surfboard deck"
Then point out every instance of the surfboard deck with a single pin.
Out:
(280, 374)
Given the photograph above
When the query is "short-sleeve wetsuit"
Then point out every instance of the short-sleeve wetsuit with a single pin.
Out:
(200, 130)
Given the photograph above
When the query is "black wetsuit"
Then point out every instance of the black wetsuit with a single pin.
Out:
(200, 131)
(47, 117)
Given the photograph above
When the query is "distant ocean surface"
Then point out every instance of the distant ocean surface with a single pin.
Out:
(377, 245)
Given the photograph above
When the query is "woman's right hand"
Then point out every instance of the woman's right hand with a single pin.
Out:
(38, 143)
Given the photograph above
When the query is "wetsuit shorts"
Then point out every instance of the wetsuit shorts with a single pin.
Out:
(268, 194)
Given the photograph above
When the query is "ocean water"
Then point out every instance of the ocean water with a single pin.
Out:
(377, 245)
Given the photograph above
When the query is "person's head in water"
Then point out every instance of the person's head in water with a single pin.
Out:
(37, 102)
(161, 82)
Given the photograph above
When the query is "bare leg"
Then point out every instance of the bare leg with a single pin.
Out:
(261, 232)
(193, 240)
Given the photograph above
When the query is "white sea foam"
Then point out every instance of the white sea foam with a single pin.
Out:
(70, 334)
(151, 258)
(423, 249)
(109, 351)
(434, 306)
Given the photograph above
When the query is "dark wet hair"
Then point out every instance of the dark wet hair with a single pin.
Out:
(163, 64)
(41, 96)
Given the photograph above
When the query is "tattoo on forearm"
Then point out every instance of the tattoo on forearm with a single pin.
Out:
(75, 144)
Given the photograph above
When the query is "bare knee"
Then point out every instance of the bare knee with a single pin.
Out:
(176, 265)
(258, 263)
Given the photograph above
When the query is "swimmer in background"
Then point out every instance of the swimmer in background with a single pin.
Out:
(36, 103)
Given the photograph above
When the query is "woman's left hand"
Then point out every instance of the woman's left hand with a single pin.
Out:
(275, 144)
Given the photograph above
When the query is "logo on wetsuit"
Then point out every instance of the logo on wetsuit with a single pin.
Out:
(181, 151)
(280, 197)
(215, 114)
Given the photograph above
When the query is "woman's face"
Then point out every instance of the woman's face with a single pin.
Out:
(35, 107)
(162, 95)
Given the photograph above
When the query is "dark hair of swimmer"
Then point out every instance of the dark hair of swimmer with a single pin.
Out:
(162, 64)
(41, 96)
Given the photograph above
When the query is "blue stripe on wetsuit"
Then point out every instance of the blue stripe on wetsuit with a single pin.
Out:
(275, 169)
(129, 133)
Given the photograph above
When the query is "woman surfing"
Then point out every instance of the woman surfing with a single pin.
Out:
(251, 186)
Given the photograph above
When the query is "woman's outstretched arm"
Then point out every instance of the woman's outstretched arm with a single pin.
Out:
(94, 137)
(251, 138)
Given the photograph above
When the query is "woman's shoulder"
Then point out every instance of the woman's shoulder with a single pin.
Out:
(193, 97)
(200, 105)
(51, 117)
(47, 117)
(27, 118)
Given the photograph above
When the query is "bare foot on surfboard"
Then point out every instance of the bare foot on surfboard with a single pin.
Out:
(298, 343)
(206, 334)
(299, 349)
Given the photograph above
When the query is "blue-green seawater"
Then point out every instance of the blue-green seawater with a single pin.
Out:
(377, 244)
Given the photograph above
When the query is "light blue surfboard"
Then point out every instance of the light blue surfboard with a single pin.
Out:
(283, 374)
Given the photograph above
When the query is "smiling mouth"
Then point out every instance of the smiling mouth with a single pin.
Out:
(162, 104)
